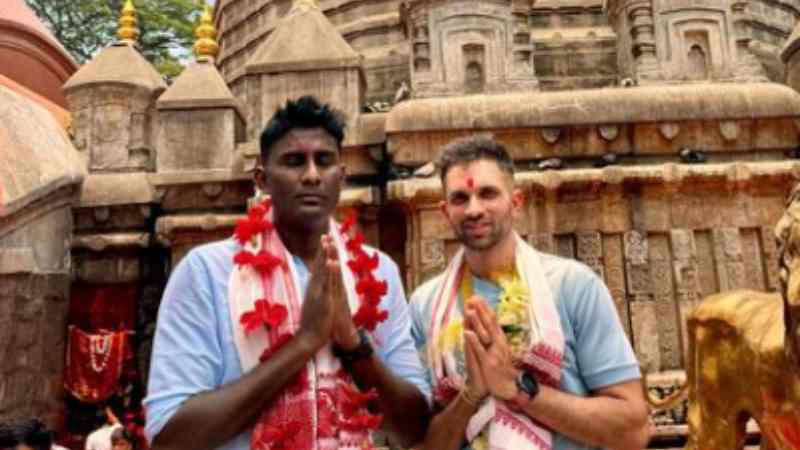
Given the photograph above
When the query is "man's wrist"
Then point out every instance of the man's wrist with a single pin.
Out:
(362, 351)
(350, 341)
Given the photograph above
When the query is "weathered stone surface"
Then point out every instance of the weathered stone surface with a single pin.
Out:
(38, 159)
(33, 311)
(522, 122)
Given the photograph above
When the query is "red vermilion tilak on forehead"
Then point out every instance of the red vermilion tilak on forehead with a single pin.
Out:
(470, 183)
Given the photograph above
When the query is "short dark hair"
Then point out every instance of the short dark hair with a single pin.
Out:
(31, 432)
(305, 112)
(124, 433)
(473, 148)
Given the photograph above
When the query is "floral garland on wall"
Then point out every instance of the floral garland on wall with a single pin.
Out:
(353, 416)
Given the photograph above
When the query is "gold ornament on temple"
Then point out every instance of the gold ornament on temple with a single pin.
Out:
(128, 31)
(206, 47)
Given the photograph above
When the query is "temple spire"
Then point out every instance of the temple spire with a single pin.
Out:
(128, 32)
(205, 46)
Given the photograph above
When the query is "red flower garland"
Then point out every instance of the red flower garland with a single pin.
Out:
(272, 315)
(369, 288)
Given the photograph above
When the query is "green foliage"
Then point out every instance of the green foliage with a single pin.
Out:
(86, 26)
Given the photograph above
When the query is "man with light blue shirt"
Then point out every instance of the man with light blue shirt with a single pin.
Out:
(207, 392)
(524, 350)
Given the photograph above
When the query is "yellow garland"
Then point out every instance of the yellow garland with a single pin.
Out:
(512, 313)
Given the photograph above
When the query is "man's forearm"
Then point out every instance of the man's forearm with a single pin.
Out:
(212, 418)
(405, 410)
(447, 429)
(599, 421)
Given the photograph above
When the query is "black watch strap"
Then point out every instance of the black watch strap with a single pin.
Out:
(362, 351)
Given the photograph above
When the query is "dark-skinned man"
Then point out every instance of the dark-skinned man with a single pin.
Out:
(263, 340)
(525, 350)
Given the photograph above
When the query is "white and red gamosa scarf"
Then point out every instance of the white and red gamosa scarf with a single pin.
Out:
(505, 428)
(321, 409)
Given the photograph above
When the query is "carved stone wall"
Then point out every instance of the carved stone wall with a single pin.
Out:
(685, 41)
(469, 47)
(575, 46)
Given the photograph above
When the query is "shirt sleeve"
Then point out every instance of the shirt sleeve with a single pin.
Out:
(397, 351)
(604, 354)
(187, 356)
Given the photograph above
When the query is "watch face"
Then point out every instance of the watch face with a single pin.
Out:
(528, 384)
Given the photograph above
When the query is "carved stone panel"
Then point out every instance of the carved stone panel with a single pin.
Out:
(728, 258)
(668, 325)
(614, 269)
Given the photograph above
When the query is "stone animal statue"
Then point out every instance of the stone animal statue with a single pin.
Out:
(743, 358)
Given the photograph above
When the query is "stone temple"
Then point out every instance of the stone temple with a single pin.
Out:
(655, 141)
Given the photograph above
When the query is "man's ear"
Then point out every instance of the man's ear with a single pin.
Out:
(517, 199)
(444, 210)
(260, 176)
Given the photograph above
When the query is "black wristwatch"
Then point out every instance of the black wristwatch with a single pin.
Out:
(362, 351)
(528, 388)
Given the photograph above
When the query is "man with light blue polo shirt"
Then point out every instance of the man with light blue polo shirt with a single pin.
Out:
(524, 350)
(317, 376)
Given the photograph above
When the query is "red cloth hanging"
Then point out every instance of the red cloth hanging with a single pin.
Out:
(94, 363)
(96, 307)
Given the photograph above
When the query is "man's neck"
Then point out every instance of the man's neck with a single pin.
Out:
(484, 263)
(303, 242)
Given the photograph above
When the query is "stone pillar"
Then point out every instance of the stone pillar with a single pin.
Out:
(747, 66)
(642, 29)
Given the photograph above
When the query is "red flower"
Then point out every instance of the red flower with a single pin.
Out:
(266, 314)
(247, 228)
(371, 289)
(264, 262)
(354, 244)
(362, 264)
(278, 436)
(254, 224)
(277, 345)
(361, 422)
(351, 400)
(369, 317)
(349, 222)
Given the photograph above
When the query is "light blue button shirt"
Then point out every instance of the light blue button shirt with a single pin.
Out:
(194, 352)
(597, 352)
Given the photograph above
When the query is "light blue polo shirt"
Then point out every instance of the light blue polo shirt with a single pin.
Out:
(194, 352)
(597, 352)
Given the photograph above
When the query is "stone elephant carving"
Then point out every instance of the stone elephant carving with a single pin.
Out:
(743, 358)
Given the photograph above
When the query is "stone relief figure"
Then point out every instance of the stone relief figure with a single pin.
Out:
(743, 360)
(698, 64)
(473, 78)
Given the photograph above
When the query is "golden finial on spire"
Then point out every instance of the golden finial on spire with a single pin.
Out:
(128, 32)
(206, 47)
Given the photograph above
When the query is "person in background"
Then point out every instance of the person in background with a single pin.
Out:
(100, 439)
(31, 434)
